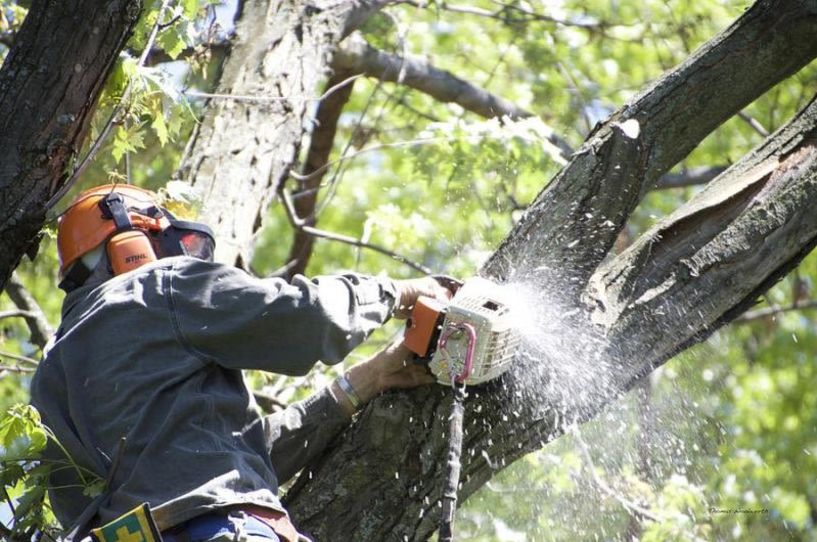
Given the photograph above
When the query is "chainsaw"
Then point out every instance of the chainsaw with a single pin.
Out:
(469, 340)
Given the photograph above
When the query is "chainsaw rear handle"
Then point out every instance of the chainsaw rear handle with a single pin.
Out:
(423, 327)
(448, 282)
(425, 322)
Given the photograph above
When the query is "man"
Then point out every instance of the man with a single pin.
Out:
(143, 386)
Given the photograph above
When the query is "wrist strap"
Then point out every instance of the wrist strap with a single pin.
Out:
(351, 394)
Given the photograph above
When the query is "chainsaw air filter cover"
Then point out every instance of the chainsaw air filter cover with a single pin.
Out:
(478, 316)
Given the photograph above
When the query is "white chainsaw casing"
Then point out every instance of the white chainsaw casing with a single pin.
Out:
(483, 305)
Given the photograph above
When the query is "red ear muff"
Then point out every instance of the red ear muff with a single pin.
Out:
(128, 250)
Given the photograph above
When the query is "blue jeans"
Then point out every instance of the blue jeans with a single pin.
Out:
(222, 527)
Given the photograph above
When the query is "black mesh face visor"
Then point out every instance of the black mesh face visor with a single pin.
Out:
(183, 238)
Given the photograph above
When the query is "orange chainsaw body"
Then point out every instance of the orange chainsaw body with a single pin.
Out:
(423, 326)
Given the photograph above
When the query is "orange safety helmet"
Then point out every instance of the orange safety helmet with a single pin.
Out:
(133, 226)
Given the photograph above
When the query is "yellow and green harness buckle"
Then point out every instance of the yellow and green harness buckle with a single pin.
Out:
(135, 526)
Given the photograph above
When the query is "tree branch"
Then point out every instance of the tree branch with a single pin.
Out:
(357, 56)
(160, 56)
(689, 177)
(46, 115)
(298, 224)
(753, 123)
(576, 218)
(24, 359)
(774, 311)
(37, 323)
(320, 147)
(714, 256)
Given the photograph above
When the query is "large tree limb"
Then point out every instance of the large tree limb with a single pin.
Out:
(49, 84)
(713, 257)
(573, 223)
(281, 51)
(357, 56)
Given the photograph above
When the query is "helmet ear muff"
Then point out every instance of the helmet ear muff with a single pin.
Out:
(128, 250)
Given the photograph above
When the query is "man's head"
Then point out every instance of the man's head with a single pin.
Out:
(123, 227)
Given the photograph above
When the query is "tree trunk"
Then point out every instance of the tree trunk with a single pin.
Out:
(692, 273)
(49, 85)
(247, 144)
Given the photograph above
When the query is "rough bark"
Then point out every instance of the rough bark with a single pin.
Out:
(49, 84)
(713, 257)
(691, 274)
(280, 53)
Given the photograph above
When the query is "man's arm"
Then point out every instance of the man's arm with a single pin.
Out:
(302, 431)
(238, 321)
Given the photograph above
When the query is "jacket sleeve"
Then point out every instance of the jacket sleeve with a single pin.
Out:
(300, 432)
(225, 315)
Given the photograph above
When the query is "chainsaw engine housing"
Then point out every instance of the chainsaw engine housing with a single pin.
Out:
(477, 323)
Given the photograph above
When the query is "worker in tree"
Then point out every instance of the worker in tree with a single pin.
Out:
(143, 388)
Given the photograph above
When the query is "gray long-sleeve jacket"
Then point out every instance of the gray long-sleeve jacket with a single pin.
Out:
(155, 356)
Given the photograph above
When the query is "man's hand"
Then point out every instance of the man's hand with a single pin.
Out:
(409, 290)
(389, 368)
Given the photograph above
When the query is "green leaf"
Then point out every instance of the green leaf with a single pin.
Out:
(159, 126)
(22, 435)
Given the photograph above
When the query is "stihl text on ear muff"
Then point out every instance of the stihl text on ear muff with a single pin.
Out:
(129, 248)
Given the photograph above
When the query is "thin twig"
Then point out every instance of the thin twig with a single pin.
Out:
(334, 180)
(300, 225)
(255, 98)
(16, 369)
(16, 313)
(23, 359)
(630, 506)
(754, 123)
(773, 311)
